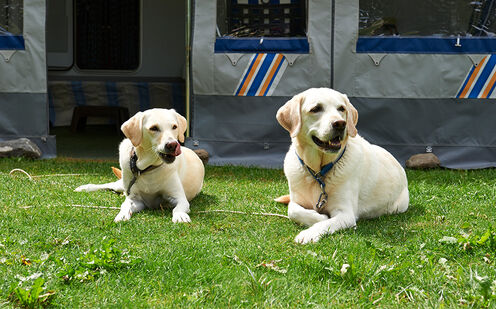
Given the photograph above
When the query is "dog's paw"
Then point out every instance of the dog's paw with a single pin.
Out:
(123, 216)
(308, 235)
(84, 188)
(180, 217)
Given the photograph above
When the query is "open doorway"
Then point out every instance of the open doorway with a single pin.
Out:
(108, 60)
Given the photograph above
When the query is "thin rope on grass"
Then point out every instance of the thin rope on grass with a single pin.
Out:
(91, 206)
(18, 170)
(61, 175)
(243, 213)
(201, 211)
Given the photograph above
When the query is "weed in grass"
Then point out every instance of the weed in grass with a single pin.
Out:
(31, 297)
(96, 262)
(470, 242)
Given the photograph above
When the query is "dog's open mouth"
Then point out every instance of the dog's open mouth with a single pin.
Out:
(167, 158)
(332, 145)
(170, 153)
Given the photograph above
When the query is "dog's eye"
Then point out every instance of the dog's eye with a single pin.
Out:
(174, 127)
(316, 109)
(341, 108)
(154, 129)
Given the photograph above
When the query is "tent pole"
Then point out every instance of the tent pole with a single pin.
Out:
(188, 52)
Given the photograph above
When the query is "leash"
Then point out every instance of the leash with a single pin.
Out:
(320, 178)
(136, 171)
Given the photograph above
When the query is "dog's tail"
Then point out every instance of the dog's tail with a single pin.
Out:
(282, 199)
(117, 172)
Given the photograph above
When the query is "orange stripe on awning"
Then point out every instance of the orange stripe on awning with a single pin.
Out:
(250, 74)
(472, 77)
(271, 75)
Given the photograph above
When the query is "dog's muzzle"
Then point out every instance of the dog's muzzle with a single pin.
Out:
(170, 152)
(334, 143)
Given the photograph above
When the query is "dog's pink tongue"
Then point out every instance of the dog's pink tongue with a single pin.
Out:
(178, 150)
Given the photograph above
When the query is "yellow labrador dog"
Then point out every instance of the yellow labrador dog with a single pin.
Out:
(335, 176)
(155, 168)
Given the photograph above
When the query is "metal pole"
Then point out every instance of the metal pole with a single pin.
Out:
(188, 52)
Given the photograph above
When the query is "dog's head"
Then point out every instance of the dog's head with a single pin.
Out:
(157, 129)
(320, 117)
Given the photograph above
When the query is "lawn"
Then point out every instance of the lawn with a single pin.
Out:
(441, 252)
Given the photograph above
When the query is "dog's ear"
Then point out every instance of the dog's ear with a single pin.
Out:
(351, 117)
(182, 124)
(289, 115)
(132, 129)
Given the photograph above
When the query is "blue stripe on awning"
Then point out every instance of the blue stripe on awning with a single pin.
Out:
(11, 42)
(260, 74)
(268, 45)
(425, 45)
(465, 82)
(275, 74)
(491, 91)
(482, 79)
(246, 74)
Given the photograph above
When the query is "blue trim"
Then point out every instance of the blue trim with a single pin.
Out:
(78, 91)
(274, 45)
(112, 93)
(425, 45)
(260, 74)
(144, 96)
(8, 42)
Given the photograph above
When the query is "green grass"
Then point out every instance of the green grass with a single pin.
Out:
(235, 260)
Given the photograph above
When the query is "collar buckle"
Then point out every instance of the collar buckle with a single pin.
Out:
(322, 199)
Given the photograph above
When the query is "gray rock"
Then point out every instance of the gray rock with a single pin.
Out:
(203, 154)
(21, 147)
(423, 161)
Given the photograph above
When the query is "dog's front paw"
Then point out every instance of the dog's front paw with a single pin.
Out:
(180, 217)
(123, 216)
(84, 188)
(308, 235)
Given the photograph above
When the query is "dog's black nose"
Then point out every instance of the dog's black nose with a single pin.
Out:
(339, 125)
(171, 147)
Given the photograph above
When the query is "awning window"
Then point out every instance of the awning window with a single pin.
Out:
(11, 25)
(261, 26)
(425, 26)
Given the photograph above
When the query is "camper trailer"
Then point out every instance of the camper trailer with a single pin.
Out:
(421, 74)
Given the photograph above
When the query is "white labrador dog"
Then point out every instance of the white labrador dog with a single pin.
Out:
(356, 180)
(155, 168)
